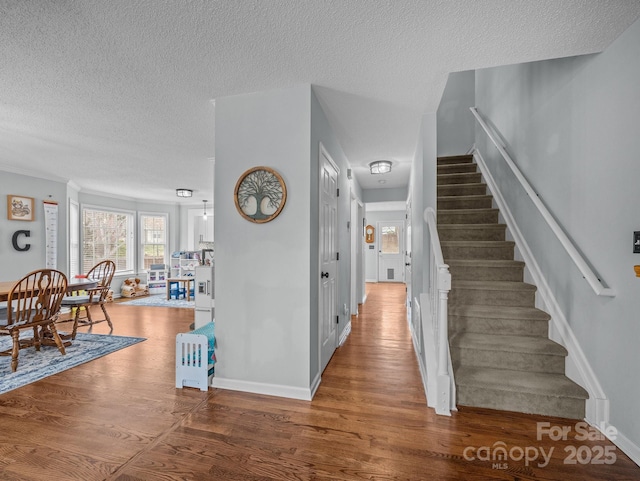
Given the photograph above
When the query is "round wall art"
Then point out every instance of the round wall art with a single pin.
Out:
(260, 194)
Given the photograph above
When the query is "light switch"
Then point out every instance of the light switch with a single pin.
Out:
(636, 242)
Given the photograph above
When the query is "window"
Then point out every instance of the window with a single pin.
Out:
(107, 235)
(390, 240)
(153, 240)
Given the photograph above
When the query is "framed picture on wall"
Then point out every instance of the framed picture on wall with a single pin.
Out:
(260, 194)
(20, 207)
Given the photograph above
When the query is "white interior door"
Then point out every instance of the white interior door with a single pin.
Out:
(390, 251)
(328, 253)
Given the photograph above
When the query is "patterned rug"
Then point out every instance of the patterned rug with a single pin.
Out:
(159, 300)
(35, 365)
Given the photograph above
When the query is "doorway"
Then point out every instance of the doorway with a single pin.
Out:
(390, 251)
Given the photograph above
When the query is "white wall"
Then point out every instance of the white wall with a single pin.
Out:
(15, 264)
(456, 127)
(263, 270)
(572, 127)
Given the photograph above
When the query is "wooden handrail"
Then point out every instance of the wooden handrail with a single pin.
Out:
(594, 281)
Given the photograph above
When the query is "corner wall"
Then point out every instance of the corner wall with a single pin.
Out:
(262, 270)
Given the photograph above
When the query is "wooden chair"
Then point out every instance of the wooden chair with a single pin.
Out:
(34, 303)
(102, 273)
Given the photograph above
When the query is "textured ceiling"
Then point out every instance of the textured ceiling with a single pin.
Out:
(116, 95)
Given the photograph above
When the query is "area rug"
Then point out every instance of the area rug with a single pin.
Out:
(35, 365)
(159, 300)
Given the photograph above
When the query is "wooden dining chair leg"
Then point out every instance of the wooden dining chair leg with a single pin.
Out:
(15, 336)
(106, 316)
(56, 338)
(36, 337)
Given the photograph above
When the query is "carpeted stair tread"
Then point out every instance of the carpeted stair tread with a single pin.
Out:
(494, 285)
(459, 178)
(478, 201)
(456, 168)
(485, 262)
(548, 384)
(474, 188)
(477, 249)
(472, 232)
(486, 269)
(455, 159)
(467, 216)
(508, 343)
(501, 312)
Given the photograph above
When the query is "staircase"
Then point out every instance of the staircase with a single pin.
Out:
(502, 357)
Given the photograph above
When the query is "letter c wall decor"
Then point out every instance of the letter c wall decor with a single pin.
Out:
(14, 240)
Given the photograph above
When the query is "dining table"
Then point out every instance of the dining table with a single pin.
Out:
(74, 285)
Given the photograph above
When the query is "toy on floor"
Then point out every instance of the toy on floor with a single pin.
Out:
(132, 288)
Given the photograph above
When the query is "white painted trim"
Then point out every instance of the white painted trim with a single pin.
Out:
(373, 281)
(597, 406)
(625, 444)
(291, 392)
(344, 334)
(592, 279)
(315, 385)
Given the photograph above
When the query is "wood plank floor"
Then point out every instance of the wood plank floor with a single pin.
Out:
(120, 418)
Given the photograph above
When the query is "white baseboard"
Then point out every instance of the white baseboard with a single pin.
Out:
(374, 281)
(626, 445)
(597, 406)
(315, 384)
(291, 392)
(345, 333)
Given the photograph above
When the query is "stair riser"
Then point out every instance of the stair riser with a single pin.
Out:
(459, 179)
(483, 325)
(461, 189)
(456, 168)
(482, 216)
(464, 203)
(516, 298)
(456, 159)
(499, 252)
(487, 273)
(453, 232)
(521, 402)
(517, 361)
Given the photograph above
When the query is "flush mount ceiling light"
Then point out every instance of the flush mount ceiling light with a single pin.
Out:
(184, 192)
(380, 166)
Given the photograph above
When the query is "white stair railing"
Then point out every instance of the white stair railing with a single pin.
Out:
(438, 295)
(586, 271)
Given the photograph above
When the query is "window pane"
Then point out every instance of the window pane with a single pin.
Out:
(153, 239)
(106, 235)
(389, 236)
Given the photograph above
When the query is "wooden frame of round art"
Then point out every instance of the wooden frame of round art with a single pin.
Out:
(260, 194)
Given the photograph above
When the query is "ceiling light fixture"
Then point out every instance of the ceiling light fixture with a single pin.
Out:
(204, 216)
(184, 192)
(380, 166)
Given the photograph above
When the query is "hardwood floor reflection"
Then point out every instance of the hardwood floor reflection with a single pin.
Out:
(120, 418)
